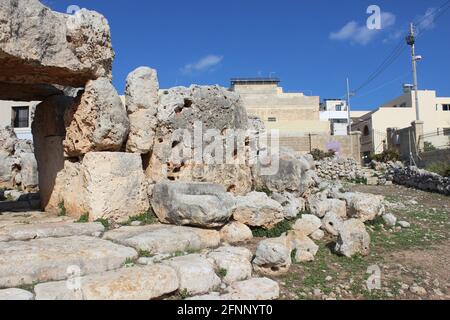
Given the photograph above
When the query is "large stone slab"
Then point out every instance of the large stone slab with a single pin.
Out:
(53, 259)
(15, 294)
(196, 274)
(80, 48)
(135, 283)
(253, 289)
(196, 204)
(164, 238)
(23, 232)
(233, 262)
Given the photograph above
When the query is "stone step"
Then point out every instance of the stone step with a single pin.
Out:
(156, 239)
(15, 294)
(54, 259)
(23, 232)
(134, 283)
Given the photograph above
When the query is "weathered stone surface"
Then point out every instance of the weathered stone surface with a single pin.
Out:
(8, 219)
(305, 248)
(8, 140)
(29, 179)
(158, 239)
(292, 205)
(317, 235)
(25, 231)
(256, 209)
(141, 100)
(217, 112)
(196, 274)
(48, 259)
(80, 47)
(15, 295)
(234, 261)
(390, 219)
(320, 205)
(97, 121)
(308, 224)
(253, 290)
(48, 134)
(273, 257)
(135, 283)
(332, 223)
(235, 232)
(365, 207)
(340, 169)
(293, 175)
(404, 224)
(107, 185)
(196, 204)
(353, 239)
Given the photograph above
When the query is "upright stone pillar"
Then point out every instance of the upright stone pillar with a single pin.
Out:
(417, 129)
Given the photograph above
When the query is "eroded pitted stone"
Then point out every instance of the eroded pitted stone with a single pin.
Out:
(273, 257)
(196, 204)
(235, 232)
(363, 206)
(353, 239)
(141, 100)
(97, 121)
(233, 262)
(256, 209)
(80, 48)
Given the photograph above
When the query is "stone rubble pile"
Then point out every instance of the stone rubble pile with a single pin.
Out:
(18, 166)
(340, 169)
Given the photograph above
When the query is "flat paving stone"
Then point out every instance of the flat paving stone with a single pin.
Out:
(160, 238)
(54, 259)
(23, 232)
(134, 283)
(15, 294)
(34, 217)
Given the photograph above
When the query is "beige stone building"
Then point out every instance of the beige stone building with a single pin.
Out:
(291, 113)
(400, 113)
(19, 116)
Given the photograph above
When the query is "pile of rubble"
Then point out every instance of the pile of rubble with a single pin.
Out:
(340, 169)
(18, 167)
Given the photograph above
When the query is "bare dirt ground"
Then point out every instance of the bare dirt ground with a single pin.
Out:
(413, 262)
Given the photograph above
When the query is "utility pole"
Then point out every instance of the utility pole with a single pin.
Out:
(348, 108)
(411, 41)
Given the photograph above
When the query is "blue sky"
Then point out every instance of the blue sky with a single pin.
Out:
(312, 46)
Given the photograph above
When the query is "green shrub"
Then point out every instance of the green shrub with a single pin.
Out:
(84, 218)
(428, 146)
(146, 218)
(441, 168)
(222, 273)
(282, 227)
(62, 209)
(104, 222)
(319, 155)
(386, 156)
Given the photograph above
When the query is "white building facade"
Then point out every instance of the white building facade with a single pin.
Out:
(19, 116)
(335, 111)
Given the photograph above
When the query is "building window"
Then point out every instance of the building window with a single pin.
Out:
(446, 131)
(366, 131)
(446, 107)
(272, 119)
(20, 117)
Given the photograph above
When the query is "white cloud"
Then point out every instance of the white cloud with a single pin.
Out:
(427, 20)
(204, 64)
(359, 33)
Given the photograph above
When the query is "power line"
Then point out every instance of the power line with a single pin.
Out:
(401, 47)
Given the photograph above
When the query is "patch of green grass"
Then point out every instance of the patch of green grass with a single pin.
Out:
(62, 209)
(144, 254)
(184, 294)
(362, 181)
(222, 273)
(282, 227)
(29, 287)
(146, 218)
(393, 199)
(104, 222)
(129, 262)
(84, 218)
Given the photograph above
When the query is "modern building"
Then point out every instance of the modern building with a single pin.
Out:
(19, 116)
(291, 113)
(335, 112)
(400, 113)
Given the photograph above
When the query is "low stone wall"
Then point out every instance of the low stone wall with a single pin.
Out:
(414, 177)
(339, 168)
